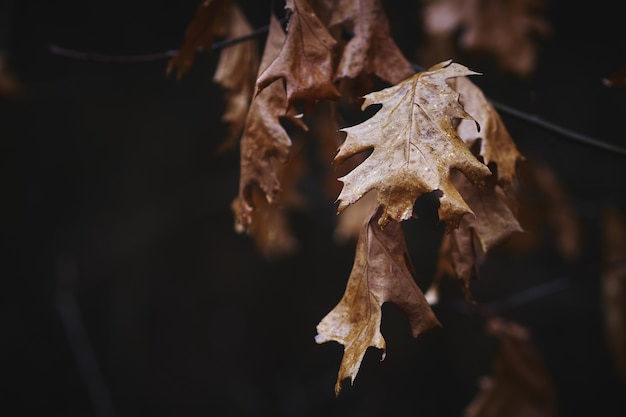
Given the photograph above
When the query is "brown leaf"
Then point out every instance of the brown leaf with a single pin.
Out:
(209, 22)
(305, 59)
(614, 286)
(269, 227)
(496, 144)
(265, 144)
(415, 144)
(544, 204)
(236, 72)
(493, 223)
(371, 50)
(520, 384)
(504, 29)
(382, 272)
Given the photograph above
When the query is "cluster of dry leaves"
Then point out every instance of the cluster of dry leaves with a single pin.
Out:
(435, 132)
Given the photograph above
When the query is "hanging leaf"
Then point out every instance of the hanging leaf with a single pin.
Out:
(371, 50)
(382, 272)
(520, 384)
(493, 223)
(305, 60)
(265, 144)
(236, 72)
(415, 145)
(505, 29)
(210, 22)
(496, 144)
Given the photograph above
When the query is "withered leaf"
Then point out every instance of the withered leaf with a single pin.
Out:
(269, 226)
(382, 272)
(493, 223)
(544, 204)
(614, 285)
(415, 145)
(305, 60)
(371, 50)
(504, 29)
(236, 72)
(520, 384)
(209, 23)
(265, 144)
(496, 144)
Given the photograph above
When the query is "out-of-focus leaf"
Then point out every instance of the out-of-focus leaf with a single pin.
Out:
(236, 72)
(372, 50)
(520, 384)
(545, 205)
(210, 22)
(614, 285)
(505, 29)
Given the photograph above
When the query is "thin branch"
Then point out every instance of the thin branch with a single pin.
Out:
(525, 117)
(561, 131)
(158, 56)
(89, 56)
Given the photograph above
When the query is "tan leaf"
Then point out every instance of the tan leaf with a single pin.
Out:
(494, 222)
(382, 272)
(496, 144)
(614, 286)
(520, 384)
(265, 144)
(504, 29)
(415, 145)
(371, 50)
(209, 23)
(236, 72)
(305, 60)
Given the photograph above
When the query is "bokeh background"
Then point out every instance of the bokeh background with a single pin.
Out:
(127, 292)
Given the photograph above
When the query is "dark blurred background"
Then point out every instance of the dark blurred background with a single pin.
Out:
(127, 292)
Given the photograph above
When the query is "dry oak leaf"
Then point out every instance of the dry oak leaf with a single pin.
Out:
(382, 272)
(209, 22)
(503, 28)
(236, 72)
(415, 145)
(265, 145)
(520, 384)
(493, 223)
(269, 227)
(371, 50)
(614, 285)
(496, 144)
(305, 60)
